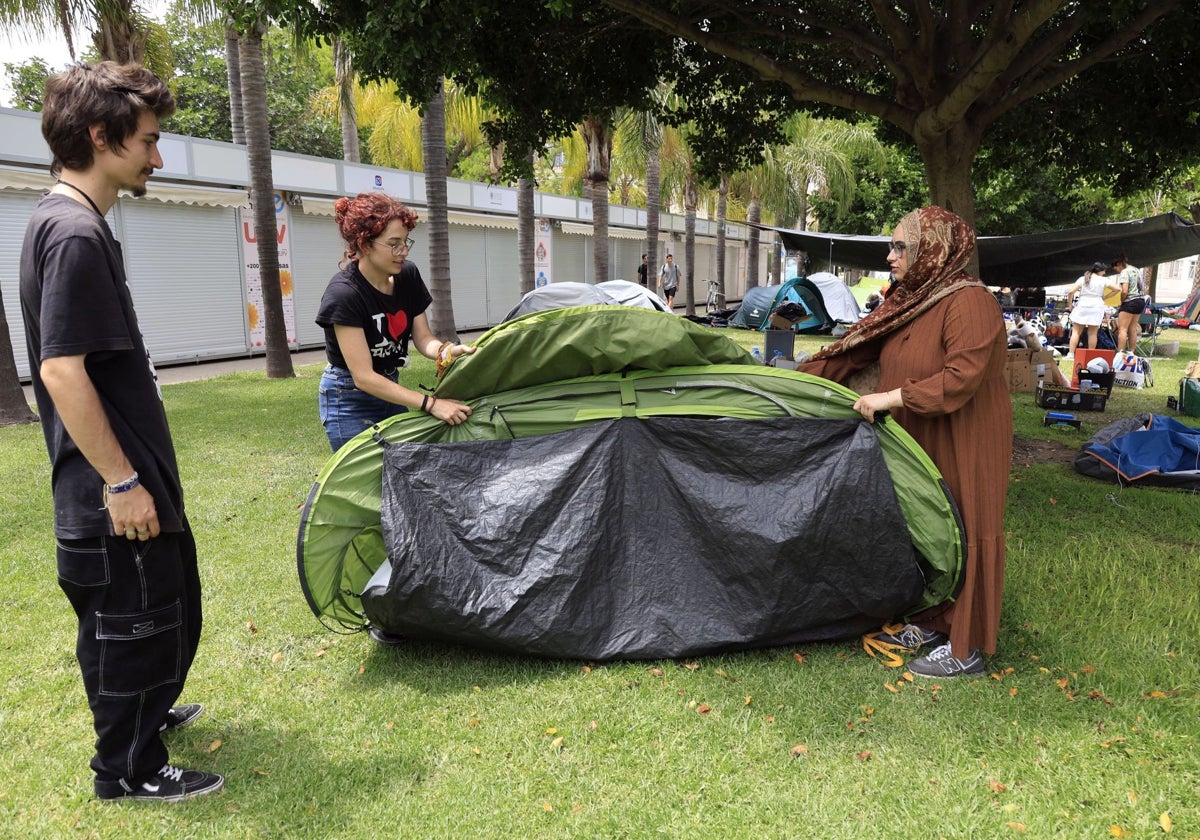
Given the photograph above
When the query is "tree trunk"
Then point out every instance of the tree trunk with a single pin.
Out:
(343, 71)
(597, 139)
(233, 64)
(653, 203)
(753, 215)
(722, 209)
(118, 36)
(262, 196)
(526, 231)
(690, 201)
(433, 144)
(948, 159)
(13, 407)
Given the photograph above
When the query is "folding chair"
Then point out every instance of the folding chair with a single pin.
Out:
(1148, 341)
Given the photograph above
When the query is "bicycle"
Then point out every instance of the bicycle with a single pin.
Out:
(715, 297)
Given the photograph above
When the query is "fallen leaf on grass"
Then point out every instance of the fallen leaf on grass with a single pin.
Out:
(658, 672)
(692, 666)
(725, 676)
(799, 750)
(1012, 692)
(1115, 830)
(1087, 669)
(703, 709)
(1159, 695)
(250, 626)
(216, 745)
(801, 658)
(1016, 826)
(547, 807)
(864, 755)
(1164, 820)
(891, 688)
(1096, 695)
(997, 787)
(556, 744)
(746, 702)
(1133, 797)
(276, 656)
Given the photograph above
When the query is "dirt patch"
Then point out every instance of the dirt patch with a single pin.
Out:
(1030, 451)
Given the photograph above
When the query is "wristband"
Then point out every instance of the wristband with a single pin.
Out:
(424, 401)
(120, 487)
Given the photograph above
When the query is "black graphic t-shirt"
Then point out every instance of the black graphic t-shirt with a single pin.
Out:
(351, 301)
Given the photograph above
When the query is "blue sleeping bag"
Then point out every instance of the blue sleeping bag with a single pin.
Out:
(1147, 449)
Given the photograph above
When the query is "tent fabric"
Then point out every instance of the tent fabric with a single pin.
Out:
(633, 294)
(340, 544)
(556, 344)
(644, 539)
(839, 301)
(559, 295)
(1150, 449)
(757, 305)
(1029, 260)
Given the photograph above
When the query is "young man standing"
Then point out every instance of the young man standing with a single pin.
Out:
(668, 281)
(126, 557)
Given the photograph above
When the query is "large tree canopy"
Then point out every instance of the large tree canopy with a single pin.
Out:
(1108, 86)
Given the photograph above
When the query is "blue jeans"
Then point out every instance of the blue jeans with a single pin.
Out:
(347, 411)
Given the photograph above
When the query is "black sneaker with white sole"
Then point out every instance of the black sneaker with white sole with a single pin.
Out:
(170, 784)
(940, 663)
(382, 637)
(180, 716)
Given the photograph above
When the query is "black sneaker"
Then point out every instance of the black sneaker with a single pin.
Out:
(940, 663)
(180, 716)
(383, 637)
(170, 784)
(911, 637)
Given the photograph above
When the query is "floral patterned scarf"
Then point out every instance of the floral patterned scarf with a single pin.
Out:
(939, 245)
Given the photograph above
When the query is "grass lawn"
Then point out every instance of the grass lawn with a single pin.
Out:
(1087, 726)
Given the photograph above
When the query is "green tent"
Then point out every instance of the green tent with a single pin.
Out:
(545, 380)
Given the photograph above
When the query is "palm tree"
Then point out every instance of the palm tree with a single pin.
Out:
(343, 71)
(722, 210)
(598, 141)
(433, 141)
(13, 407)
(640, 137)
(262, 195)
(525, 229)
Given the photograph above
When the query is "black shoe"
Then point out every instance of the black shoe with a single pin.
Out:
(911, 637)
(180, 716)
(384, 638)
(170, 784)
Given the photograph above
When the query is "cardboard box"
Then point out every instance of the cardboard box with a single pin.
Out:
(1025, 369)
(1103, 381)
(1083, 355)
(1068, 399)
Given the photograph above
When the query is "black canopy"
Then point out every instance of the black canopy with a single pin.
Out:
(1029, 260)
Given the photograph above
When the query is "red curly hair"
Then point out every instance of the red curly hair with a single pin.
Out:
(364, 217)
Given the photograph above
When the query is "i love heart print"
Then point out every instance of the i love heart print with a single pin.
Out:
(397, 323)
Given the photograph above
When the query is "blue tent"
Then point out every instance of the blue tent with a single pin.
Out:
(1148, 449)
(761, 301)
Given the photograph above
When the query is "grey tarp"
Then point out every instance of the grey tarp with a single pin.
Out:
(663, 537)
(1030, 260)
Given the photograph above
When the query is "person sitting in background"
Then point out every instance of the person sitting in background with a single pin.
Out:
(938, 341)
(1089, 309)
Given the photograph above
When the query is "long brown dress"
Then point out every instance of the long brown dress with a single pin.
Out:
(949, 365)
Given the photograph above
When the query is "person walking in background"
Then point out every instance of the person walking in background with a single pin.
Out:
(1089, 309)
(938, 340)
(370, 312)
(644, 271)
(1134, 301)
(668, 281)
(126, 557)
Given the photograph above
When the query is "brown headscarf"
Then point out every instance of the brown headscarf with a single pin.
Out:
(939, 246)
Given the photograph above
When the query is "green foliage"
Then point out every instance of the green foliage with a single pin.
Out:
(1090, 717)
(28, 82)
(294, 77)
(879, 200)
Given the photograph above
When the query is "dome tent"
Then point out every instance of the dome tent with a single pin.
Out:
(536, 527)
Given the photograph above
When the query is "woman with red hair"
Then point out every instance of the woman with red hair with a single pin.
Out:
(371, 310)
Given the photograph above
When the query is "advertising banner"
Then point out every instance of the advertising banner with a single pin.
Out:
(542, 255)
(252, 282)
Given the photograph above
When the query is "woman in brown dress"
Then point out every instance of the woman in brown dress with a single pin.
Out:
(937, 345)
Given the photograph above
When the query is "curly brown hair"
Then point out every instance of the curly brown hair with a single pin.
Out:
(364, 217)
(115, 95)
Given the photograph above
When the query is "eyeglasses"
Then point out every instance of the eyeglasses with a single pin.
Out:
(899, 247)
(403, 245)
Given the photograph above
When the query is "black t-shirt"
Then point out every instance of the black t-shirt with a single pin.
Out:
(75, 301)
(643, 270)
(351, 301)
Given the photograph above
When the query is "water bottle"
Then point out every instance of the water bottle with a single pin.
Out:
(757, 354)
